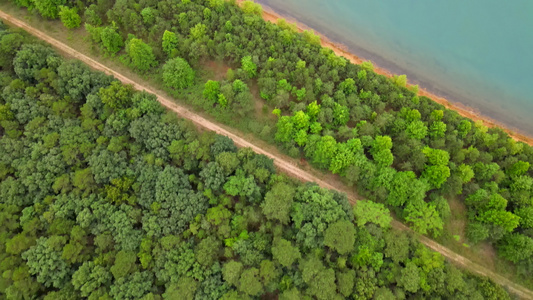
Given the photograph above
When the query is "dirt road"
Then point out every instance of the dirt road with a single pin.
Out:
(281, 163)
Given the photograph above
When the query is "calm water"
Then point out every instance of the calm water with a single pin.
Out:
(477, 52)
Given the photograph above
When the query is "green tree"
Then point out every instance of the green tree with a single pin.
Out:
(516, 247)
(111, 40)
(250, 282)
(506, 219)
(345, 156)
(116, 95)
(177, 74)
(519, 168)
(464, 127)
(141, 55)
(169, 42)
(148, 15)
(437, 129)
(345, 282)
(222, 100)
(285, 128)
(198, 31)
(367, 211)
(313, 109)
(300, 120)
(410, 278)
(185, 289)
(48, 8)
(526, 216)
(91, 279)
(424, 218)
(124, 264)
(325, 151)
(249, 7)
(417, 130)
(249, 66)
(340, 236)
(285, 253)
(381, 151)
(44, 260)
(278, 202)
(69, 17)
(232, 272)
(134, 286)
(311, 37)
(207, 251)
(341, 114)
(320, 281)
(396, 245)
(465, 173)
(211, 90)
(437, 171)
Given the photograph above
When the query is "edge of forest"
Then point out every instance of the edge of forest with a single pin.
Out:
(341, 50)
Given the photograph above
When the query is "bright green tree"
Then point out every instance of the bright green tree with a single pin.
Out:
(111, 39)
(249, 7)
(465, 173)
(249, 66)
(424, 218)
(141, 55)
(169, 42)
(198, 31)
(301, 120)
(381, 151)
(436, 171)
(367, 211)
(177, 74)
(437, 129)
(211, 90)
(49, 8)
(417, 130)
(69, 17)
(325, 151)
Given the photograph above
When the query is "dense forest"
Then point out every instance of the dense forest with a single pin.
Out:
(393, 146)
(104, 195)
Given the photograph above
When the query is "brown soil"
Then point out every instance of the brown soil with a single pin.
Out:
(284, 165)
(219, 69)
(462, 109)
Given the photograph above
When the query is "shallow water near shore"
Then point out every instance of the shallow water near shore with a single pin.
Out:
(478, 52)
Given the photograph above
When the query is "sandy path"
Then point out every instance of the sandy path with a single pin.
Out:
(282, 164)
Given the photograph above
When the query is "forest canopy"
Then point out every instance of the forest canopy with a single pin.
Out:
(394, 146)
(105, 195)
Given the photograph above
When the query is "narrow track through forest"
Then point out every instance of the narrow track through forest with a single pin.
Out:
(282, 164)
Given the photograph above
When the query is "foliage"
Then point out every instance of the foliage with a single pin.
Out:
(141, 55)
(169, 42)
(369, 130)
(48, 8)
(367, 211)
(69, 17)
(177, 74)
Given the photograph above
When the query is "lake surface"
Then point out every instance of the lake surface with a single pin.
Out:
(476, 52)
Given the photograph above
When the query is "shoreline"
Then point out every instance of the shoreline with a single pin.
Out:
(341, 50)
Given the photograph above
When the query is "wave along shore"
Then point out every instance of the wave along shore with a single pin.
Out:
(341, 50)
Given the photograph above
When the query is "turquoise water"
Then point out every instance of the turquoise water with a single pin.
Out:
(476, 52)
